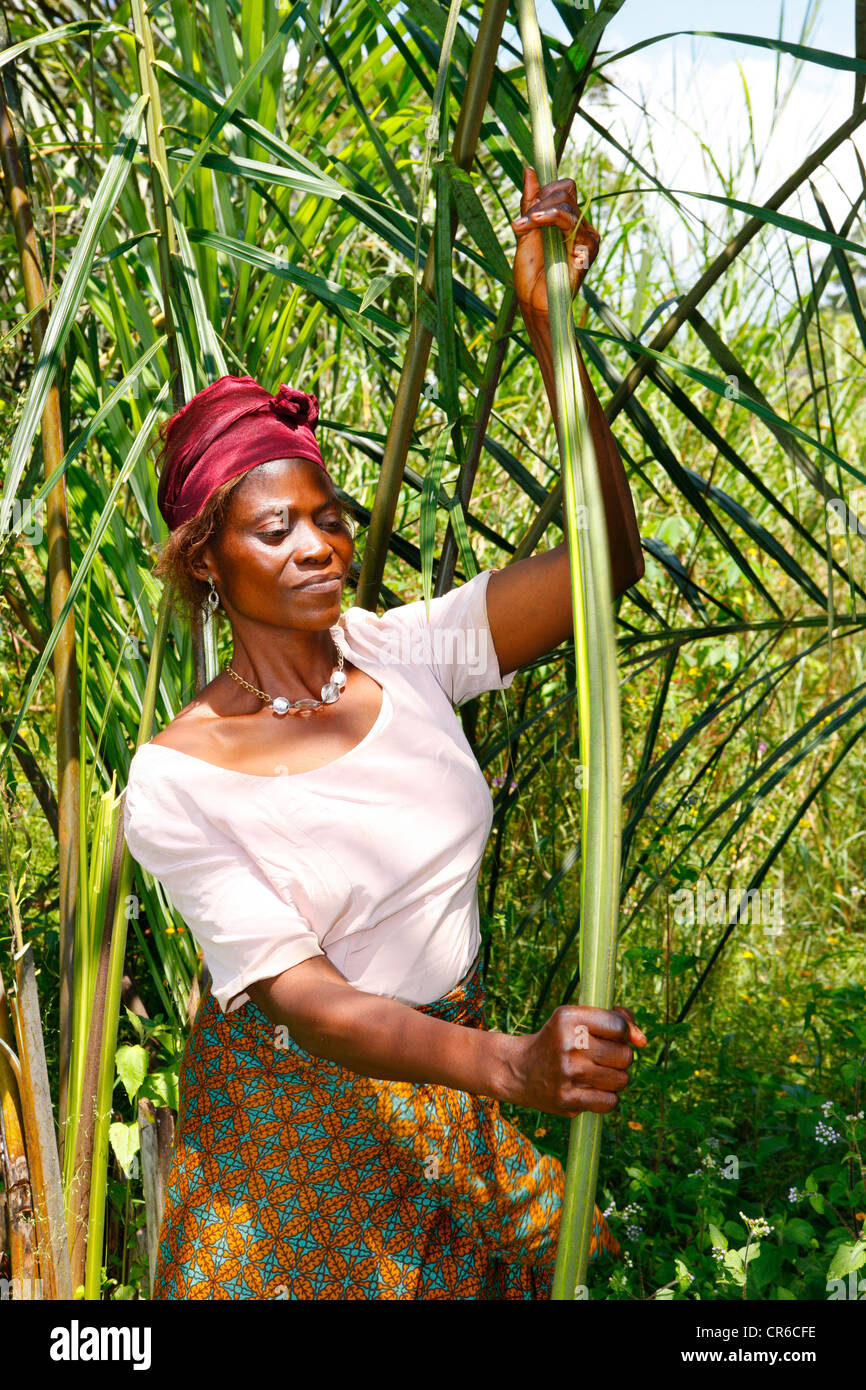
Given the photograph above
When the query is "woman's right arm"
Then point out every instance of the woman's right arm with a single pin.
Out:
(577, 1061)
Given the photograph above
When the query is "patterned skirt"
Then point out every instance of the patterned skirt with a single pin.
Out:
(294, 1178)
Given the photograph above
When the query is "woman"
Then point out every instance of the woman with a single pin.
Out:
(318, 818)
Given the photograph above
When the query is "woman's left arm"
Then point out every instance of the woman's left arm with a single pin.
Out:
(529, 603)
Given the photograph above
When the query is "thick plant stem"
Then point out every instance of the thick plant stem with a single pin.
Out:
(23, 1254)
(596, 676)
(160, 185)
(112, 975)
(63, 663)
(496, 354)
(78, 1198)
(411, 383)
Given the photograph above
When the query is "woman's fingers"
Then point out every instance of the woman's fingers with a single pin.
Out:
(585, 1072)
(636, 1036)
(602, 1023)
(560, 192)
(610, 1054)
(606, 1072)
(560, 215)
(530, 188)
(582, 1098)
(532, 191)
(567, 205)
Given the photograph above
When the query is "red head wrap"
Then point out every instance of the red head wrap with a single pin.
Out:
(226, 428)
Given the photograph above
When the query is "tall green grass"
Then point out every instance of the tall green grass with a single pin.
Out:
(241, 189)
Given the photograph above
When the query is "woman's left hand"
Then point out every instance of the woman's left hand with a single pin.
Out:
(554, 205)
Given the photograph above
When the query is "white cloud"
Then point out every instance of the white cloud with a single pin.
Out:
(700, 101)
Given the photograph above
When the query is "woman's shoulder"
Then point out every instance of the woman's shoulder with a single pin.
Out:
(448, 636)
(165, 772)
(190, 733)
(462, 602)
(188, 729)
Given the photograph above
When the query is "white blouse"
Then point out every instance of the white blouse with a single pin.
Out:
(372, 859)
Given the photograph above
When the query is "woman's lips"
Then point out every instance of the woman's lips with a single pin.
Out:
(320, 586)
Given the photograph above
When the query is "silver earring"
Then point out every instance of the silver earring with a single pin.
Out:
(213, 597)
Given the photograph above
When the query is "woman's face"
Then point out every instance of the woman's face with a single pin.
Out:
(283, 532)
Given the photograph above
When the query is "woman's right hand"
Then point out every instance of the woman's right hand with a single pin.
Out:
(578, 1061)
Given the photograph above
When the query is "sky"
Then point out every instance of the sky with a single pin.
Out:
(693, 88)
(639, 18)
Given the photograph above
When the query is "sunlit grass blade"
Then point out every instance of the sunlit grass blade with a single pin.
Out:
(68, 301)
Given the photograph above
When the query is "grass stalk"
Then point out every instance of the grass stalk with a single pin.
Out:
(596, 677)
(63, 663)
(19, 1199)
(114, 978)
(39, 1129)
(411, 383)
(107, 851)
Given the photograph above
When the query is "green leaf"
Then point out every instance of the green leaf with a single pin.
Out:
(161, 1087)
(735, 1267)
(125, 1144)
(848, 1257)
(427, 522)
(75, 280)
(822, 56)
(235, 98)
(132, 1064)
(136, 1021)
(461, 535)
(800, 1231)
(446, 327)
(474, 217)
(377, 286)
(718, 1237)
(65, 31)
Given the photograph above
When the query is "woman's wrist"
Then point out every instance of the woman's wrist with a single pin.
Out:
(538, 328)
(385, 1039)
(537, 324)
(504, 1066)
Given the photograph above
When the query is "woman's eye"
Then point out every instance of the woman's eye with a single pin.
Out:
(328, 523)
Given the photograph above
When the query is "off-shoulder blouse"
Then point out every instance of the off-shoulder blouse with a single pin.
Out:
(371, 860)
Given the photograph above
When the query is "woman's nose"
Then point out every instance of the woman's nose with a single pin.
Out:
(310, 541)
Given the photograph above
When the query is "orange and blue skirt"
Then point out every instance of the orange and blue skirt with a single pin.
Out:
(295, 1178)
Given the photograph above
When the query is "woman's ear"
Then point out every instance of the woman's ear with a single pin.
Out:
(203, 564)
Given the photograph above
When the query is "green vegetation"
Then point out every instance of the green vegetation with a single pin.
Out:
(191, 190)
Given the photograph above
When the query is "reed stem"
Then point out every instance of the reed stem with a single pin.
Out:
(596, 677)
